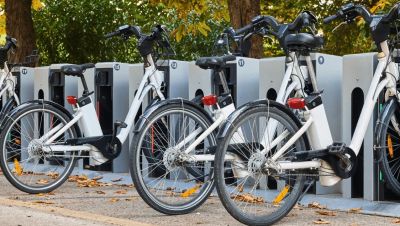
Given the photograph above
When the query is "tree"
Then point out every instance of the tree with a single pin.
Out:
(19, 25)
(241, 12)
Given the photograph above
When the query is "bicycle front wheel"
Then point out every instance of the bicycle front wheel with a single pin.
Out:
(25, 159)
(251, 192)
(390, 147)
(168, 179)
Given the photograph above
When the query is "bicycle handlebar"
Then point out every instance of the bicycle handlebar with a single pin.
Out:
(329, 19)
(10, 43)
(349, 12)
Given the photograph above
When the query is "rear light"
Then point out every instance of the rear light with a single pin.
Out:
(72, 100)
(209, 100)
(296, 103)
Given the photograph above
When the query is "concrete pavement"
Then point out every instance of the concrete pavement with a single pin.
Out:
(119, 204)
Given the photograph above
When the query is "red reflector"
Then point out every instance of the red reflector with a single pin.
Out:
(296, 103)
(72, 100)
(209, 100)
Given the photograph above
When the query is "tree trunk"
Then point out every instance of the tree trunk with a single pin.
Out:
(241, 12)
(19, 25)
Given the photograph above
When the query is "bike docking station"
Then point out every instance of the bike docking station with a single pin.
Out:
(329, 75)
(175, 80)
(241, 75)
(328, 72)
(51, 84)
(174, 85)
(367, 182)
(23, 80)
(111, 95)
(272, 70)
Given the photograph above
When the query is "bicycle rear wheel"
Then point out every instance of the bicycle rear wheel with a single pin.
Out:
(251, 192)
(25, 160)
(167, 179)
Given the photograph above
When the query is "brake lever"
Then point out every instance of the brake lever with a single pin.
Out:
(339, 25)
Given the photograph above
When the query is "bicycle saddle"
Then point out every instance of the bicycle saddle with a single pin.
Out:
(214, 62)
(303, 40)
(76, 70)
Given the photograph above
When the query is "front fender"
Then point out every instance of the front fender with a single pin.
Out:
(8, 106)
(384, 117)
(42, 103)
(264, 102)
(151, 109)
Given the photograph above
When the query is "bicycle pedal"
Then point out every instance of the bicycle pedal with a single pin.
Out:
(337, 149)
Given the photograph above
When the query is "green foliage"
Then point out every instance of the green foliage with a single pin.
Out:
(73, 31)
(348, 39)
(193, 16)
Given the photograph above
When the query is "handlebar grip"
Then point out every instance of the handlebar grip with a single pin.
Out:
(244, 29)
(111, 34)
(329, 19)
(136, 31)
(230, 31)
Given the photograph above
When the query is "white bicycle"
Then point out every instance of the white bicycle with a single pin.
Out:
(172, 165)
(41, 140)
(299, 149)
(7, 81)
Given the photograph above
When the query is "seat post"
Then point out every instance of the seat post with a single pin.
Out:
(223, 80)
(311, 72)
(84, 84)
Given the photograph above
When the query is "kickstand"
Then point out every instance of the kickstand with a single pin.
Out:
(310, 183)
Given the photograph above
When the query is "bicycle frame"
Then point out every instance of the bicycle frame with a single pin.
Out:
(89, 123)
(317, 122)
(8, 84)
(292, 80)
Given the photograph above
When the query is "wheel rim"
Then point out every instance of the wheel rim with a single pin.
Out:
(176, 187)
(254, 191)
(392, 150)
(28, 162)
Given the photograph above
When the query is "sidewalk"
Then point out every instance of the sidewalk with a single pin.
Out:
(332, 202)
(119, 204)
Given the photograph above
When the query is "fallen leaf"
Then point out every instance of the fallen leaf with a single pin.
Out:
(17, 167)
(354, 210)
(326, 213)
(130, 199)
(45, 194)
(114, 200)
(53, 175)
(316, 205)
(396, 221)
(43, 202)
(297, 207)
(170, 188)
(121, 192)
(248, 198)
(321, 221)
(240, 188)
(100, 192)
(117, 180)
(190, 191)
(42, 181)
(126, 185)
(97, 178)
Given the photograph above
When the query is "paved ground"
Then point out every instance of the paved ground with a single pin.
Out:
(120, 205)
